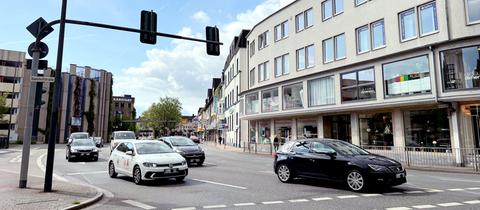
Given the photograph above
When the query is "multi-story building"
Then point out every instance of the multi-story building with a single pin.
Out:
(124, 107)
(12, 71)
(236, 62)
(86, 102)
(371, 72)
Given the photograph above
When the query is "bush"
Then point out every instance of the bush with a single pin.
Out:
(19, 142)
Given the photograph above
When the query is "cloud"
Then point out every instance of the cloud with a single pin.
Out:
(201, 16)
(185, 70)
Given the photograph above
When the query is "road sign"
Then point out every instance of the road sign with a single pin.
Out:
(42, 79)
(42, 48)
(36, 26)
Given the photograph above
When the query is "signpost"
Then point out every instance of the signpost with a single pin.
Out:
(42, 79)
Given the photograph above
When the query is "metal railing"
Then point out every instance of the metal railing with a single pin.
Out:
(432, 157)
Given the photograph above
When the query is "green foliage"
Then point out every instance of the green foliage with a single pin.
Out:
(3, 106)
(90, 114)
(166, 114)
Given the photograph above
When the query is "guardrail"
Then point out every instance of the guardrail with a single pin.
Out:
(433, 157)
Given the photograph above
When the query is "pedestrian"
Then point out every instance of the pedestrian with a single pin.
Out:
(276, 143)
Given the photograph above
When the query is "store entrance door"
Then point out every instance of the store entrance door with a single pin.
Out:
(475, 112)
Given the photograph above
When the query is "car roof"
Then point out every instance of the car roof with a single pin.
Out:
(79, 133)
(321, 140)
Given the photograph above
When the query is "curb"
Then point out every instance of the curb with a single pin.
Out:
(444, 170)
(87, 203)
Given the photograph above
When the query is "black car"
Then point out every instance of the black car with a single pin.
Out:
(187, 148)
(81, 148)
(336, 160)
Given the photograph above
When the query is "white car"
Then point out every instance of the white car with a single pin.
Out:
(147, 160)
(121, 136)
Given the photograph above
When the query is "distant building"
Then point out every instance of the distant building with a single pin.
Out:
(124, 107)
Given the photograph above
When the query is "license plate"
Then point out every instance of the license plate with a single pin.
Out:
(401, 175)
(195, 160)
(169, 171)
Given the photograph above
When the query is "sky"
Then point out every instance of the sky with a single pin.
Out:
(175, 68)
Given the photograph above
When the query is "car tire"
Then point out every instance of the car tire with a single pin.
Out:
(284, 173)
(111, 170)
(180, 179)
(355, 181)
(137, 175)
(69, 158)
(95, 159)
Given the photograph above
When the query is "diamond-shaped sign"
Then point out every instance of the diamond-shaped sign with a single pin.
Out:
(36, 26)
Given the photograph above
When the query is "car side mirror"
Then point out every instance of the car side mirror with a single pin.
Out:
(130, 152)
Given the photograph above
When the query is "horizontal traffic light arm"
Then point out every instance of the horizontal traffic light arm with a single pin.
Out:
(120, 28)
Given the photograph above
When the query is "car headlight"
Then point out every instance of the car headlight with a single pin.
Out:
(95, 150)
(376, 167)
(179, 151)
(150, 164)
(74, 150)
(184, 162)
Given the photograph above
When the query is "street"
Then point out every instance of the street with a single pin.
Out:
(232, 180)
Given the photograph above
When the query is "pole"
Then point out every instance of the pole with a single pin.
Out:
(56, 102)
(11, 107)
(27, 134)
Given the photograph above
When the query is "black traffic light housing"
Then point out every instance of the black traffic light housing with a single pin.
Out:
(212, 35)
(148, 22)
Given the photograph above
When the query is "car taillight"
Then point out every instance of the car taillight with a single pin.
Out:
(274, 154)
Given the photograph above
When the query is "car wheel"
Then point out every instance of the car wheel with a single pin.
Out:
(355, 180)
(95, 159)
(69, 158)
(137, 175)
(284, 173)
(111, 170)
(180, 179)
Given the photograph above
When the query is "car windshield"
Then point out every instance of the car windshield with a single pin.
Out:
(152, 148)
(181, 141)
(79, 136)
(125, 135)
(81, 143)
(347, 148)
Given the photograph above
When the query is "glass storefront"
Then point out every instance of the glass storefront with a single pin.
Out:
(270, 102)
(321, 91)
(358, 85)
(376, 129)
(337, 127)
(307, 128)
(407, 77)
(293, 96)
(264, 132)
(251, 104)
(427, 128)
(470, 125)
(252, 131)
(461, 68)
(283, 131)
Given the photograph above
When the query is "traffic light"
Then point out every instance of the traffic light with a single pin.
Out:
(212, 35)
(148, 22)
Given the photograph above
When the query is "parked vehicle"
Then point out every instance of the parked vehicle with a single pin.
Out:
(147, 160)
(81, 148)
(121, 136)
(98, 141)
(186, 147)
(195, 138)
(336, 160)
(77, 135)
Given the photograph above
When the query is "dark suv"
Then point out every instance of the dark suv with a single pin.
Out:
(187, 148)
(336, 160)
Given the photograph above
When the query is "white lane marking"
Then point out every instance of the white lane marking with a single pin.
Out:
(398, 208)
(455, 189)
(424, 206)
(347, 196)
(221, 184)
(322, 199)
(459, 180)
(272, 202)
(472, 202)
(185, 208)
(138, 204)
(80, 163)
(298, 200)
(84, 173)
(42, 167)
(473, 188)
(16, 159)
(450, 204)
(267, 172)
(371, 195)
(434, 190)
(393, 193)
(215, 206)
(414, 192)
(244, 204)
(2, 151)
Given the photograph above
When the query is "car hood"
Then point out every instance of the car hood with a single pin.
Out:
(193, 148)
(376, 159)
(83, 147)
(164, 158)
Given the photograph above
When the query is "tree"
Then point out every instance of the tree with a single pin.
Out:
(165, 114)
(3, 107)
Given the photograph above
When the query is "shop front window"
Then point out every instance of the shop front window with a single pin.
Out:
(306, 128)
(293, 96)
(461, 68)
(252, 131)
(321, 91)
(265, 134)
(337, 127)
(470, 125)
(251, 106)
(270, 102)
(283, 132)
(358, 85)
(427, 128)
(407, 77)
(376, 129)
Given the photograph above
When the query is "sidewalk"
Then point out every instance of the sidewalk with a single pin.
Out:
(234, 149)
(64, 196)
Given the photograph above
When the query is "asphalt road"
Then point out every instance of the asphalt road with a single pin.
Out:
(231, 180)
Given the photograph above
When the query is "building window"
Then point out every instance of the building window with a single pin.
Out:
(281, 65)
(281, 31)
(10, 63)
(305, 57)
(408, 26)
(407, 77)
(252, 77)
(473, 11)
(270, 100)
(252, 48)
(283, 132)
(310, 56)
(263, 40)
(264, 131)
(327, 9)
(328, 50)
(378, 34)
(263, 72)
(427, 128)
(307, 128)
(304, 20)
(376, 129)
(338, 7)
(337, 127)
(251, 101)
(293, 96)
(359, 2)
(428, 18)
(358, 85)
(363, 39)
(461, 68)
(340, 47)
(321, 91)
